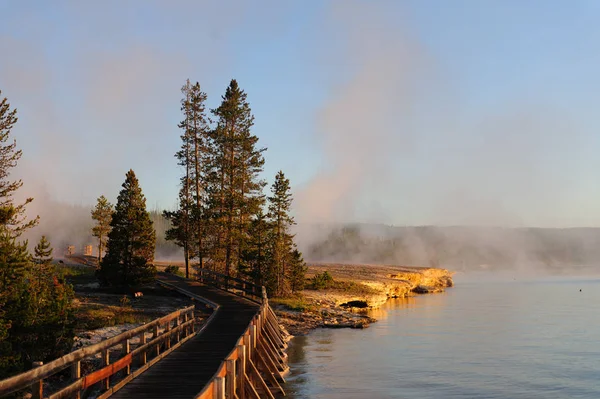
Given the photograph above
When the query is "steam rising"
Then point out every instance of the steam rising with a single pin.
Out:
(401, 143)
(365, 123)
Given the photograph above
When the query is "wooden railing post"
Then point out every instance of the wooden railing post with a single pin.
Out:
(168, 336)
(106, 361)
(185, 329)
(253, 335)
(248, 345)
(265, 300)
(230, 379)
(76, 374)
(127, 346)
(37, 388)
(220, 388)
(193, 323)
(241, 349)
(154, 335)
(144, 357)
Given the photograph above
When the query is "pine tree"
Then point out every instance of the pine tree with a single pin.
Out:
(236, 188)
(279, 212)
(188, 221)
(43, 251)
(14, 257)
(9, 156)
(255, 254)
(131, 242)
(298, 269)
(35, 309)
(14, 268)
(201, 144)
(102, 214)
(45, 326)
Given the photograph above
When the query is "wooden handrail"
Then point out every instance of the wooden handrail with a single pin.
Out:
(187, 293)
(255, 360)
(252, 346)
(24, 380)
(206, 271)
(258, 351)
(231, 284)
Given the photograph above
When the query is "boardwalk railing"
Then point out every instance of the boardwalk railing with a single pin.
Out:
(256, 366)
(231, 284)
(154, 340)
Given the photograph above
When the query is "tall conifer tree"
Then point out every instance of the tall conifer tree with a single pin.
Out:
(131, 242)
(237, 190)
(283, 248)
(36, 320)
(14, 257)
(256, 254)
(102, 214)
(189, 220)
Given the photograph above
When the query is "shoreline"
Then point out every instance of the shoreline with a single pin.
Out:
(354, 290)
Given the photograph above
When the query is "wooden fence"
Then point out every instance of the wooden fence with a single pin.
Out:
(255, 368)
(233, 285)
(154, 341)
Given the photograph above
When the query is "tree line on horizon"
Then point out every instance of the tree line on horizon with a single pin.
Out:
(224, 221)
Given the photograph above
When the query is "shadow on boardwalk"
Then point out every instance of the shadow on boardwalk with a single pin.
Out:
(183, 373)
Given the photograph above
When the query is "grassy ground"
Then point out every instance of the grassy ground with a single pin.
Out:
(94, 316)
(97, 307)
(297, 303)
(324, 281)
(77, 275)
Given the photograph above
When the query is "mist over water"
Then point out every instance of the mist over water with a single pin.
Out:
(525, 251)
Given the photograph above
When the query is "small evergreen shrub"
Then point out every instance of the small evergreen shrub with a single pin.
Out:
(172, 269)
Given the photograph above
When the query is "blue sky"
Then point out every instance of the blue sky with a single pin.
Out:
(401, 112)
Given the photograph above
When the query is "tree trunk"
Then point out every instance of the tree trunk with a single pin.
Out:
(186, 254)
(198, 202)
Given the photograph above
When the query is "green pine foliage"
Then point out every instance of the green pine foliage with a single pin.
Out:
(284, 263)
(43, 252)
(129, 259)
(36, 314)
(102, 214)
(43, 325)
(221, 219)
(237, 188)
(256, 254)
(298, 269)
(188, 228)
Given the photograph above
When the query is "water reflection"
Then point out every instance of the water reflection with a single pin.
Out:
(480, 340)
(392, 304)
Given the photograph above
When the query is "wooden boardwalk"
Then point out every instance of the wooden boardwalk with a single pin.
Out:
(185, 372)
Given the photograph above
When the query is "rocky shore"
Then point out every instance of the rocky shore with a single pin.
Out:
(357, 289)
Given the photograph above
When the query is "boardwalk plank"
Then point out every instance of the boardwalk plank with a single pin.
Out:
(185, 372)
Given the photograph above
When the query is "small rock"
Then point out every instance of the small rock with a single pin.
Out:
(422, 289)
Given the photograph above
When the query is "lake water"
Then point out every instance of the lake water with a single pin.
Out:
(481, 339)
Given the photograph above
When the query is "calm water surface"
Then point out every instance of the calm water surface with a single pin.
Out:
(486, 339)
